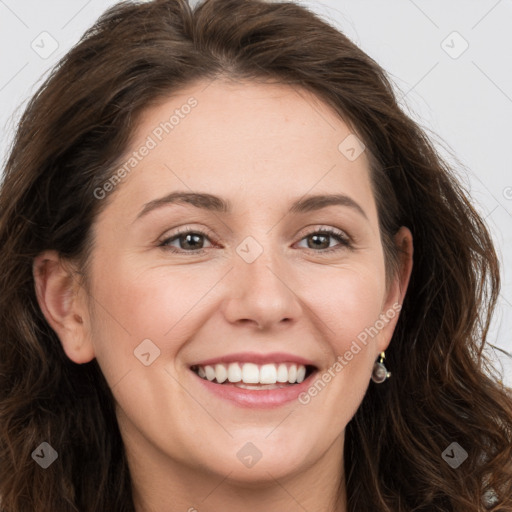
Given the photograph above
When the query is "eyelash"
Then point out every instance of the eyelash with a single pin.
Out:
(343, 239)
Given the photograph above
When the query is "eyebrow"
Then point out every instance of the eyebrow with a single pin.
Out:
(216, 204)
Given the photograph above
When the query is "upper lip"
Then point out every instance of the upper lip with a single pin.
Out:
(257, 358)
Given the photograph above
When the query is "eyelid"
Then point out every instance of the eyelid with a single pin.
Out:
(319, 228)
(168, 235)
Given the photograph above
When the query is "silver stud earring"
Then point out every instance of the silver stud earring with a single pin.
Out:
(380, 372)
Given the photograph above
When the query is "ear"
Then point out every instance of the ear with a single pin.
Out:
(63, 302)
(397, 289)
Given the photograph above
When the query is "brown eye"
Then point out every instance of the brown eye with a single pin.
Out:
(318, 241)
(321, 240)
(191, 241)
(187, 241)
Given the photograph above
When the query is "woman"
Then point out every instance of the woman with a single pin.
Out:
(210, 296)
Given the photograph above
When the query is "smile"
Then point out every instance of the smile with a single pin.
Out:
(251, 373)
(249, 384)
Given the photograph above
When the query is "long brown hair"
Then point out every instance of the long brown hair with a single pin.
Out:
(69, 142)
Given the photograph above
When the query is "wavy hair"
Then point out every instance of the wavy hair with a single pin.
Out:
(69, 141)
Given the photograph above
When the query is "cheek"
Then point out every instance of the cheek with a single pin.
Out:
(349, 306)
(161, 304)
(347, 300)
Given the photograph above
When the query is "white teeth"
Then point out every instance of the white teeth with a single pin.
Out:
(250, 373)
(301, 373)
(221, 373)
(234, 372)
(292, 373)
(282, 373)
(210, 372)
(268, 374)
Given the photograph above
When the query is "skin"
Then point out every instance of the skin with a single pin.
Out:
(262, 147)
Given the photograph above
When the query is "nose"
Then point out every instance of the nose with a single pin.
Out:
(261, 293)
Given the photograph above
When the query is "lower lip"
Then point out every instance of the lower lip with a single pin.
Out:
(257, 398)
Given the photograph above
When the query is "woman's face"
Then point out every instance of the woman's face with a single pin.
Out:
(258, 264)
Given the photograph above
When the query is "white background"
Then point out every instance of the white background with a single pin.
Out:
(463, 98)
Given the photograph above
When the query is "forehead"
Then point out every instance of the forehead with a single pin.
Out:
(244, 141)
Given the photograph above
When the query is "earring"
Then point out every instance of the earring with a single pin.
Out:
(380, 372)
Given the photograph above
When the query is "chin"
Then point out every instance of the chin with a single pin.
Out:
(256, 463)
